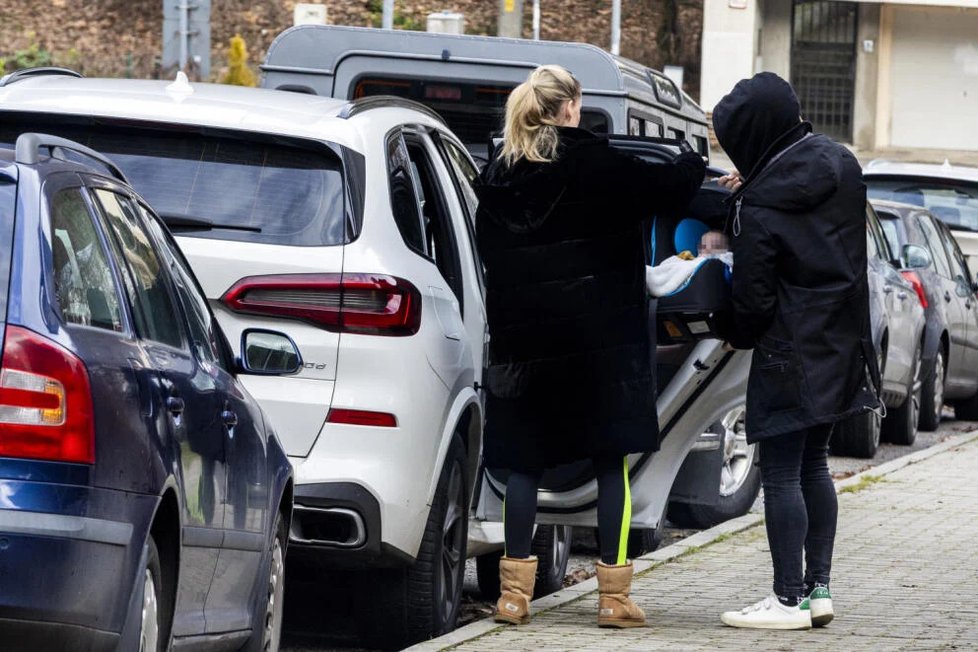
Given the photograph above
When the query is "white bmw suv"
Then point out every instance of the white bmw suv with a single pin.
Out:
(347, 226)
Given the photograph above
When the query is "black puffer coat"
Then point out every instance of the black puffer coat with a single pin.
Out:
(800, 293)
(570, 374)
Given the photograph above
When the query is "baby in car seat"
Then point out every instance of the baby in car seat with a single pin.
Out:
(672, 274)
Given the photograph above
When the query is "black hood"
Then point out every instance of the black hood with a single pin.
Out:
(521, 197)
(757, 119)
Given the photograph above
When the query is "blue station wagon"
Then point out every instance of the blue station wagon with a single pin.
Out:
(144, 499)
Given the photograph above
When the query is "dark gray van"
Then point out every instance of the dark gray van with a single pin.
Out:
(467, 79)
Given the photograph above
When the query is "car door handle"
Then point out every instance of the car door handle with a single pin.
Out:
(229, 418)
(947, 296)
(887, 289)
(901, 295)
(174, 404)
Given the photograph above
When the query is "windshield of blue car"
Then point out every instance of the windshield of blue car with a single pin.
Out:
(265, 192)
(954, 203)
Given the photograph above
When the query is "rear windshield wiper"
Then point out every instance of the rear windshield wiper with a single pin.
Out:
(177, 221)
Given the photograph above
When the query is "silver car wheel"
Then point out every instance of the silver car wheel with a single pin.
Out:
(273, 608)
(149, 632)
(939, 386)
(916, 389)
(738, 455)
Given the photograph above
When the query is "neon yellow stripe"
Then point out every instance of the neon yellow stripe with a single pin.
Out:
(626, 519)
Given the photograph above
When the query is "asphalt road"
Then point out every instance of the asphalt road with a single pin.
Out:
(328, 627)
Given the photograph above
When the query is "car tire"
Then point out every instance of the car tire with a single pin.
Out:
(967, 410)
(551, 546)
(400, 607)
(740, 479)
(900, 425)
(642, 541)
(487, 574)
(857, 436)
(932, 395)
(266, 629)
(152, 629)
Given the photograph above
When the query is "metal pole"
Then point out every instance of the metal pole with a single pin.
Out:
(388, 20)
(536, 20)
(184, 33)
(616, 26)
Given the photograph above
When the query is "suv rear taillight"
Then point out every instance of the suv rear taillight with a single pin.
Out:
(45, 401)
(918, 286)
(369, 304)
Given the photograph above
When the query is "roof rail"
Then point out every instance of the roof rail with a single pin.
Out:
(16, 76)
(357, 107)
(28, 151)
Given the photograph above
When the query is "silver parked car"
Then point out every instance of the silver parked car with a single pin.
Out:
(949, 192)
(898, 330)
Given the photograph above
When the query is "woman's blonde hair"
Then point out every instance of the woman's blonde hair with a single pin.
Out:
(532, 113)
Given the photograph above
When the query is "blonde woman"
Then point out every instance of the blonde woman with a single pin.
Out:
(570, 377)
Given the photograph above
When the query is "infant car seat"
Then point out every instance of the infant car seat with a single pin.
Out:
(692, 311)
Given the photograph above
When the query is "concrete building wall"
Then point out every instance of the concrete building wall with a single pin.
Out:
(934, 78)
(729, 48)
(775, 38)
(867, 77)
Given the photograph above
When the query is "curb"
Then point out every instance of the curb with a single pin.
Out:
(689, 545)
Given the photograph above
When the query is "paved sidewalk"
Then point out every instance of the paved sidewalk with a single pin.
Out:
(904, 577)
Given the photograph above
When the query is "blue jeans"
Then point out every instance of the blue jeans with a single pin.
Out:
(800, 508)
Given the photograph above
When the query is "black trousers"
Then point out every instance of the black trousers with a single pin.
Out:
(614, 510)
(800, 508)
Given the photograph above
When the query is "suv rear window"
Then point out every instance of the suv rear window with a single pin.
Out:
(955, 204)
(265, 192)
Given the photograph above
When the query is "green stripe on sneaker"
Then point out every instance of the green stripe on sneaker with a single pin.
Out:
(820, 593)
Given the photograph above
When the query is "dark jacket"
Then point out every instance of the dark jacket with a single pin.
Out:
(800, 294)
(562, 242)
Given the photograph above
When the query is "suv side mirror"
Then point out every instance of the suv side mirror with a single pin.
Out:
(269, 353)
(915, 257)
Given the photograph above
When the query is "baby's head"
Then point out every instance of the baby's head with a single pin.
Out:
(713, 242)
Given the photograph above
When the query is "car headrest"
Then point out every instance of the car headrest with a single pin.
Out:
(688, 234)
(709, 205)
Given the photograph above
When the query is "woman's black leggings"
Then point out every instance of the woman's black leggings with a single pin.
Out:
(614, 510)
(800, 509)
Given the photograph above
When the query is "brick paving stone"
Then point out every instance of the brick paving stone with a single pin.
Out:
(904, 577)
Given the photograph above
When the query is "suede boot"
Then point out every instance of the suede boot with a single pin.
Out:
(516, 580)
(615, 608)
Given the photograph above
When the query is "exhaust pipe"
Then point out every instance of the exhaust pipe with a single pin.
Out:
(332, 527)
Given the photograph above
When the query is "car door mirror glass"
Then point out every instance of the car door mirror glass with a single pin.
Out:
(916, 257)
(269, 353)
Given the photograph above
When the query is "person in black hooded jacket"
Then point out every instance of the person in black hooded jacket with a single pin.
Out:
(801, 301)
(570, 376)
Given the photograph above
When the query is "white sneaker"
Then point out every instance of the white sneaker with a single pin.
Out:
(769, 613)
(820, 602)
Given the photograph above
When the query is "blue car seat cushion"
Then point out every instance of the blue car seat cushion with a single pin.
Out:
(689, 232)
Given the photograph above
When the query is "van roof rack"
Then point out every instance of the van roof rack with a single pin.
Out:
(28, 151)
(18, 75)
(385, 101)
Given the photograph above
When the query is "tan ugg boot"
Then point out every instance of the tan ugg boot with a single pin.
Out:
(615, 608)
(516, 580)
